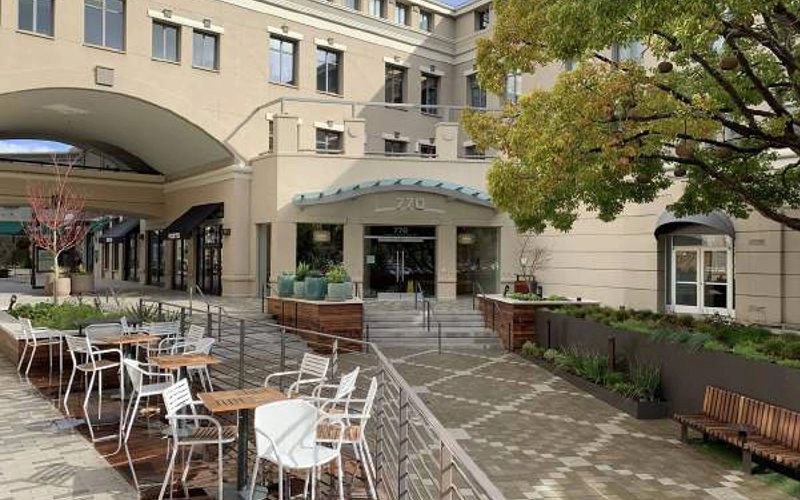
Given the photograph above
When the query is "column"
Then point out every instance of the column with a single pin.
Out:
(510, 244)
(355, 136)
(414, 20)
(446, 262)
(285, 133)
(447, 140)
(283, 254)
(169, 262)
(238, 279)
(141, 245)
(354, 251)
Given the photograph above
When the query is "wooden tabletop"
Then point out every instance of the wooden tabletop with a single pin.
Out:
(240, 399)
(176, 361)
(134, 338)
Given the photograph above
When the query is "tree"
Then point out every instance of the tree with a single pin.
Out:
(57, 216)
(716, 107)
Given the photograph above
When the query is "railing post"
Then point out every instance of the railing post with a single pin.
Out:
(210, 324)
(219, 322)
(549, 343)
(380, 412)
(335, 356)
(366, 338)
(263, 293)
(446, 476)
(510, 338)
(439, 336)
(160, 312)
(612, 353)
(183, 319)
(141, 308)
(241, 354)
(402, 451)
(283, 354)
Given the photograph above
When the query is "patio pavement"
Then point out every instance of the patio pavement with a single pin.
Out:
(37, 461)
(537, 436)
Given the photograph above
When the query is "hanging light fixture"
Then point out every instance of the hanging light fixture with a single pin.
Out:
(466, 239)
(322, 236)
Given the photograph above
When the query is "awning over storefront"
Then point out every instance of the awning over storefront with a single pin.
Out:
(718, 222)
(11, 228)
(120, 230)
(183, 226)
(341, 193)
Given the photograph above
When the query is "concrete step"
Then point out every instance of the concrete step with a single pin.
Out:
(446, 332)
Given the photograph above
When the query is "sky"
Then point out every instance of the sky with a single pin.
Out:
(12, 146)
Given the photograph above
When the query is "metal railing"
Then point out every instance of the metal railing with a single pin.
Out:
(415, 457)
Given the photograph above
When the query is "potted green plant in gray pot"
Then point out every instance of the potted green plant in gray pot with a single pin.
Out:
(299, 280)
(316, 285)
(285, 284)
(340, 288)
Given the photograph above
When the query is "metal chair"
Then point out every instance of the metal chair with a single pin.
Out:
(34, 338)
(126, 328)
(313, 370)
(341, 399)
(137, 375)
(177, 399)
(286, 435)
(201, 346)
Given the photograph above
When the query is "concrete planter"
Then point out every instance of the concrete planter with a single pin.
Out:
(316, 288)
(62, 288)
(299, 289)
(82, 283)
(285, 285)
(339, 292)
(684, 373)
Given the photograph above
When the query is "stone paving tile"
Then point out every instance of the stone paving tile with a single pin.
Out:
(537, 436)
(37, 462)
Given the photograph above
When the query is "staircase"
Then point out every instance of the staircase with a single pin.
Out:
(398, 324)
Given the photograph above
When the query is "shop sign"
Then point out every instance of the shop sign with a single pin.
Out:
(409, 204)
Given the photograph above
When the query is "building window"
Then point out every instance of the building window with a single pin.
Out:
(476, 96)
(270, 136)
(429, 93)
(320, 245)
(166, 42)
(699, 273)
(474, 152)
(377, 8)
(329, 141)
(353, 4)
(513, 87)
(427, 150)
(629, 52)
(282, 61)
(394, 148)
(395, 84)
(401, 14)
(328, 63)
(425, 20)
(36, 16)
(104, 23)
(205, 50)
(482, 18)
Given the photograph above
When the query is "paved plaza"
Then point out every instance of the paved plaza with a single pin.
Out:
(37, 460)
(537, 436)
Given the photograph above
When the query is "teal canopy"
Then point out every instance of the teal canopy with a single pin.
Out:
(11, 228)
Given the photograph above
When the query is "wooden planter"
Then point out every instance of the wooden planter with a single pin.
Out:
(340, 319)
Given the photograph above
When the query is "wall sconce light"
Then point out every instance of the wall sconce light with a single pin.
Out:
(433, 68)
(285, 28)
(397, 135)
(226, 231)
(167, 13)
(330, 41)
(432, 140)
(207, 23)
(330, 123)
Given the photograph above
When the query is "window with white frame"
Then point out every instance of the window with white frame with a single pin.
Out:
(377, 8)
(395, 83)
(282, 54)
(401, 14)
(394, 147)
(328, 70)
(36, 16)
(476, 96)
(482, 19)
(513, 86)
(426, 20)
(429, 93)
(632, 51)
(329, 141)
(166, 41)
(104, 23)
(353, 4)
(205, 50)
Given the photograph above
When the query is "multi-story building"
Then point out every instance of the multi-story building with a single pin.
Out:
(240, 137)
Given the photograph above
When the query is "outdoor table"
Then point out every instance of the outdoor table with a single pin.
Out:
(125, 340)
(179, 361)
(241, 401)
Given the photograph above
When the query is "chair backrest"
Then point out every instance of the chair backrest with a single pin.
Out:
(291, 424)
(194, 333)
(126, 328)
(347, 385)
(177, 397)
(27, 329)
(101, 330)
(135, 373)
(169, 328)
(313, 366)
(369, 401)
(76, 345)
(202, 346)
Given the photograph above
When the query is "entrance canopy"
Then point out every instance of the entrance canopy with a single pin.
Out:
(11, 228)
(451, 190)
(717, 222)
(184, 225)
(118, 232)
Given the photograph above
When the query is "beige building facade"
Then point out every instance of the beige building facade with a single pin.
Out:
(245, 136)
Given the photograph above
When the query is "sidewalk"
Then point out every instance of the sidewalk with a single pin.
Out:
(38, 462)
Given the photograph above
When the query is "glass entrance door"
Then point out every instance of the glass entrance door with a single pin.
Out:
(209, 263)
(400, 260)
(702, 283)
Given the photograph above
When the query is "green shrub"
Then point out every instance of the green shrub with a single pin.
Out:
(64, 316)
(336, 274)
(624, 388)
(646, 380)
(531, 349)
(551, 354)
(302, 271)
(613, 378)
(750, 350)
(790, 363)
(557, 298)
(526, 297)
(633, 324)
(714, 345)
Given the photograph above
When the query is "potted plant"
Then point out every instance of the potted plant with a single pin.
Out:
(316, 285)
(81, 281)
(340, 287)
(299, 279)
(58, 287)
(285, 284)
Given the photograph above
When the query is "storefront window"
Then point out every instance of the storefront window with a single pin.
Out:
(320, 244)
(180, 264)
(699, 273)
(155, 258)
(477, 260)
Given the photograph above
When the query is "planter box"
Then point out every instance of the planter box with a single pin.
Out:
(82, 283)
(340, 319)
(684, 373)
(299, 289)
(641, 410)
(285, 285)
(63, 287)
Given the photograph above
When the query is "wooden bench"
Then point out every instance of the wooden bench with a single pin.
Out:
(760, 429)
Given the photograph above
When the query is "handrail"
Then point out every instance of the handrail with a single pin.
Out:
(474, 283)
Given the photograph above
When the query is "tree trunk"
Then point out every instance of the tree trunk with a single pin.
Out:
(56, 271)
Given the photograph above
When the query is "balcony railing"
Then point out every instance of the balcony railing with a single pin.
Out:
(415, 457)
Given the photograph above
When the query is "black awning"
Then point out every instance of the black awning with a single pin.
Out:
(119, 231)
(717, 223)
(182, 227)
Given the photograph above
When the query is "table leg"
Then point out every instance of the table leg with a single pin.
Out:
(243, 417)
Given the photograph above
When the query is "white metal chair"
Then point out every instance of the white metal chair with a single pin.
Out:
(286, 435)
(97, 332)
(127, 329)
(201, 346)
(177, 399)
(137, 375)
(341, 399)
(35, 337)
(313, 370)
(95, 365)
(187, 343)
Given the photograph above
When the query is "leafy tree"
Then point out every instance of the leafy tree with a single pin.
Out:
(713, 102)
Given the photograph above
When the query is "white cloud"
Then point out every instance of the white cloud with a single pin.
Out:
(31, 146)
